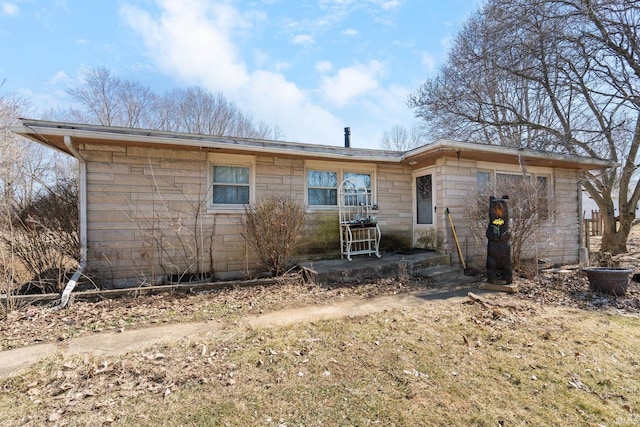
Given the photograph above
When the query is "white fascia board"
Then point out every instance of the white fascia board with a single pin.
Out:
(204, 141)
(450, 145)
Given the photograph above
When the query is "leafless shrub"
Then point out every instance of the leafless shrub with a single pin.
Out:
(38, 210)
(7, 266)
(178, 237)
(530, 208)
(272, 227)
(42, 237)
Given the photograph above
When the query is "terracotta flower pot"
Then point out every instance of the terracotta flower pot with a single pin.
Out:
(610, 280)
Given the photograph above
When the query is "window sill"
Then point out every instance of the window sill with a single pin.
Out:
(321, 208)
(230, 209)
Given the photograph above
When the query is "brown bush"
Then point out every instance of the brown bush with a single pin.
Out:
(530, 208)
(272, 226)
(42, 236)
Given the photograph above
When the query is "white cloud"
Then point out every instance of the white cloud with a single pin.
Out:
(272, 98)
(192, 41)
(384, 107)
(303, 39)
(428, 61)
(62, 4)
(446, 42)
(352, 82)
(281, 66)
(323, 66)
(350, 32)
(369, 104)
(391, 103)
(59, 77)
(390, 5)
(9, 9)
(195, 41)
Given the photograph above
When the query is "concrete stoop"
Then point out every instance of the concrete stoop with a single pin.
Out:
(432, 265)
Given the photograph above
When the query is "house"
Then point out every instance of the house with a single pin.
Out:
(158, 203)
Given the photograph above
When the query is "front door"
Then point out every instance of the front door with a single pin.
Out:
(424, 218)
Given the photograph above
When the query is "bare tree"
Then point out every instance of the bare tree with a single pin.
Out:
(398, 138)
(196, 110)
(26, 168)
(9, 175)
(38, 205)
(177, 239)
(44, 237)
(14, 176)
(264, 130)
(558, 75)
(108, 100)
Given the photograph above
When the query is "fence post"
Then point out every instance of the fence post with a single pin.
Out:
(586, 231)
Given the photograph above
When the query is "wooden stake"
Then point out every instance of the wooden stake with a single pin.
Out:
(455, 236)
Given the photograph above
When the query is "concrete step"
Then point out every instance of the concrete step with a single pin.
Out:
(433, 259)
(444, 274)
(370, 267)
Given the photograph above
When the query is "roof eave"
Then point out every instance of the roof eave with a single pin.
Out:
(578, 162)
(36, 130)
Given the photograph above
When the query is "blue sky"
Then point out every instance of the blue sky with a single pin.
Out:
(312, 67)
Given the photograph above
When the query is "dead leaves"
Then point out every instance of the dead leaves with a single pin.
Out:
(34, 324)
(570, 288)
(83, 384)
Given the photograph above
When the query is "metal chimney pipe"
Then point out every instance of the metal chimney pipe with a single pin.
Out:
(347, 137)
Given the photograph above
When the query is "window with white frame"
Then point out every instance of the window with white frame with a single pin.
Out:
(322, 187)
(323, 182)
(230, 185)
(483, 180)
(501, 180)
(543, 184)
(231, 179)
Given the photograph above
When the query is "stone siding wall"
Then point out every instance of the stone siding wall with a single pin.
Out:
(148, 214)
(557, 242)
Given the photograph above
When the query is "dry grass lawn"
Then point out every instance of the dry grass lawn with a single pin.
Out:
(448, 363)
(559, 355)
